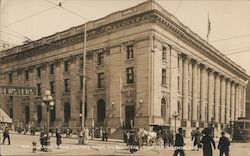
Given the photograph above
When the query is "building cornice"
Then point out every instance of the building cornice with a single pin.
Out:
(97, 28)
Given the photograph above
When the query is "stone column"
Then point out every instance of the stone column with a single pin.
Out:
(232, 101)
(73, 92)
(240, 100)
(236, 112)
(217, 97)
(195, 92)
(228, 99)
(244, 101)
(198, 92)
(210, 94)
(58, 68)
(223, 102)
(203, 93)
(185, 88)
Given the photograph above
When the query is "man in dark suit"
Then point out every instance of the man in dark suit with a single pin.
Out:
(179, 143)
(224, 144)
(6, 135)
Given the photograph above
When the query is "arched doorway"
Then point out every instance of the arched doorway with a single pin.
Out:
(101, 112)
(27, 114)
(39, 114)
(66, 112)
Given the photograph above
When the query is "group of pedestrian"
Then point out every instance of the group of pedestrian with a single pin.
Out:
(44, 138)
(206, 142)
(83, 136)
(168, 138)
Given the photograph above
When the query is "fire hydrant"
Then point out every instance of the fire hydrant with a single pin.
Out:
(34, 148)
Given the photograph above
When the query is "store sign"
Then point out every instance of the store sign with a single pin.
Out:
(17, 91)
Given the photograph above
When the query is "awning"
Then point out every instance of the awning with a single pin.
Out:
(4, 118)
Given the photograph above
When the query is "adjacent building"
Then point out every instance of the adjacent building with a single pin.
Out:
(142, 67)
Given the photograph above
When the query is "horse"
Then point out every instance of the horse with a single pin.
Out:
(150, 136)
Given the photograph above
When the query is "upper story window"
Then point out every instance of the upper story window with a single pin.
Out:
(26, 74)
(130, 75)
(66, 66)
(100, 80)
(38, 86)
(52, 69)
(66, 85)
(38, 71)
(100, 58)
(81, 62)
(164, 77)
(52, 87)
(10, 77)
(164, 53)
(81, 82)
(130, 51)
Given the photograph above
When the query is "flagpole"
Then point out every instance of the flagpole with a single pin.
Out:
(208, 28)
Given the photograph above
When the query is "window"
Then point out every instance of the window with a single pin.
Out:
(51, 69)
(164, 53)
(52, 87)
(38, 71)
(66, 85)
(130, 51)
(178, 83)
(100, 58)
(164, 77)
(66, 66)
(130, 75)
(81, 62)
(100, 81)
(26, 72)
(163, 107)
(38, 89)
(81, 82)
(10, 77)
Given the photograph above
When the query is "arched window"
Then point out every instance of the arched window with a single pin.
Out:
(163, 107)
(27, 114)
(39, 113)
(101, 111)
(66, 112)
(53, 114)
(178, 107)
(11, 113)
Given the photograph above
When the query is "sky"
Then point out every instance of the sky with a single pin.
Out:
(34, 19)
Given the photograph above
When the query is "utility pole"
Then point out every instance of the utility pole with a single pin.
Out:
(84, 75)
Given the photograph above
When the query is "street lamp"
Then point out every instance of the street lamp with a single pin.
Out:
(48, 101)
(175, 115)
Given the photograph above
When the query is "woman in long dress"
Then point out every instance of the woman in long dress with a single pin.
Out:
(207, 142)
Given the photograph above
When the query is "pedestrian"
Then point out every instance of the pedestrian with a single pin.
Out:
(80, 137)
(179, 143)
(92, 133)
(42, 138)
(206, 141)
(170, 138)
(6, 135)
(58, 138)
(67, 133)
(197, 138)
(223, 145)
(165, 138)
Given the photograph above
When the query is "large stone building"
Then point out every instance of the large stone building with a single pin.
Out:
(248, 101)
(142, 66)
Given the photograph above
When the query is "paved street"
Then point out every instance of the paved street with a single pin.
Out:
(22, 145)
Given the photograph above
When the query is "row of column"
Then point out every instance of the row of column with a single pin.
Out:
(213, 96)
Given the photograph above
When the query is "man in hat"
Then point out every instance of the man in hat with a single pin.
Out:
(224, 144)
(6, 135)
(197, 138)
(179, 143)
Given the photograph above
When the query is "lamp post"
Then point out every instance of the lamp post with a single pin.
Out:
(48, 101)
(175, 115)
